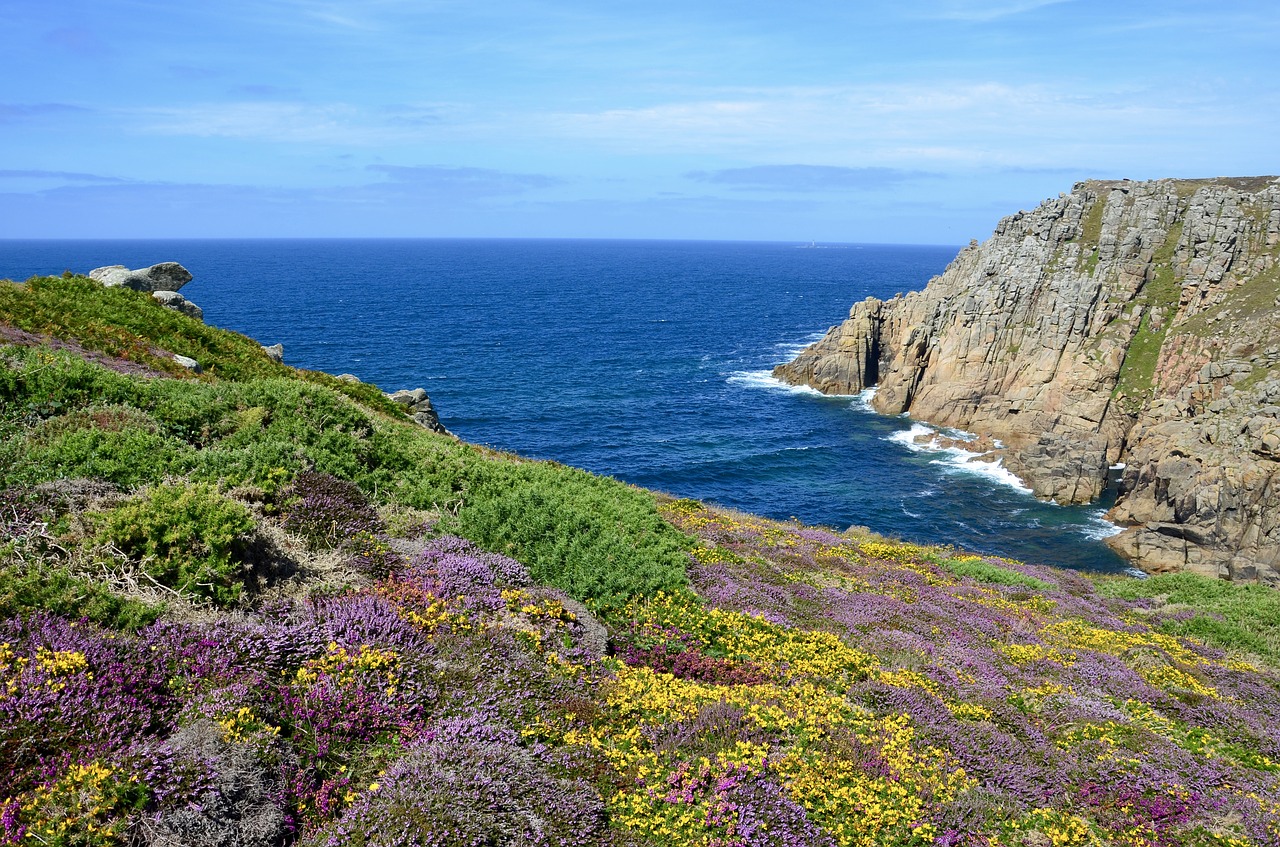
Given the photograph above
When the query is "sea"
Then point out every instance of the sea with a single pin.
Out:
(648, 361)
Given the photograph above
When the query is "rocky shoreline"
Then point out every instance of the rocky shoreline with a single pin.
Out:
(1125, 323)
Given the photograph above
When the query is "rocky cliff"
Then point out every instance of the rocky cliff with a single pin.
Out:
(1122, 323)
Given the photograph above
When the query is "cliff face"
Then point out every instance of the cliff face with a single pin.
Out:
(1133, 323)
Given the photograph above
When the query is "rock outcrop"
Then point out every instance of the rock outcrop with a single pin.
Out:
(166, 276)
(419, 407)
(161, 281)
(1125, 323)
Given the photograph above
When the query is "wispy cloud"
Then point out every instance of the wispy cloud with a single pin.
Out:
(61, 176)
(292, 121)
(15, 112)
(979, 11)
(466, 182)
(265, 121)
(806, 178)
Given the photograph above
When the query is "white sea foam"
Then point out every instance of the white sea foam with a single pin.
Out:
(907, 437)
(766, 379)
(956, 459)
(862, 400)
(1099, 527)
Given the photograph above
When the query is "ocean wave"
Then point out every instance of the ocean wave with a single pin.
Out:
(766, 379)
(956, 459)
(1099, 527)
(862, 400)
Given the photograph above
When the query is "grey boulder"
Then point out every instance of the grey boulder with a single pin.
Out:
(166, 276)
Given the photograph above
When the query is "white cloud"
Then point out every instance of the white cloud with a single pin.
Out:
(979, 11)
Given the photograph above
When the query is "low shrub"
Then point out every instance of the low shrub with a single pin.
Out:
(188, 537)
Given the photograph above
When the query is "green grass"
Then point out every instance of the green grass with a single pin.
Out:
(131, 325)
(1091, 233)
(1159, 298)
(993, 574)
(1242, 618)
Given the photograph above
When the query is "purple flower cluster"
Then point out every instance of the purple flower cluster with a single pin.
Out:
(258, 728)
(1068, 699)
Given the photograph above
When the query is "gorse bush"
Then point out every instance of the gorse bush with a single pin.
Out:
(592, 536)
(187, 537)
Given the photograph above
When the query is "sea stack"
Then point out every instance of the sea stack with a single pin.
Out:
(1132, 326)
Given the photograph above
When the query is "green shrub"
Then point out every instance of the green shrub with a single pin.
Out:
(117, 444)
(25, 589)
(594, 537)
(188, 537)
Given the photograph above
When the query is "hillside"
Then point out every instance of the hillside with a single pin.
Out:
(1123, 324)
(252, 605)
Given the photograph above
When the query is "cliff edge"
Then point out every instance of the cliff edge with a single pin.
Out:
(1125, 323)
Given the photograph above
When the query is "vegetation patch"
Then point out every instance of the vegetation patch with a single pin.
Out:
(1244, 618)
(186, 537)
(1159, 300)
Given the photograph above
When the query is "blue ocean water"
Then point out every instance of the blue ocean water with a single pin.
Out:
(647, 361)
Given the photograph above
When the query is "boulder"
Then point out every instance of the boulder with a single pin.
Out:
(188, 363)
(166, 276)
(174, 300)
(418, 404)
(275, 352)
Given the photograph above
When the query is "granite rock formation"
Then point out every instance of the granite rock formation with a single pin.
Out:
(1124, 323)
(419, 407)
(161, 281)
(166, 276)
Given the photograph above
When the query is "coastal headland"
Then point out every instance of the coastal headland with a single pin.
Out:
(1125, 332)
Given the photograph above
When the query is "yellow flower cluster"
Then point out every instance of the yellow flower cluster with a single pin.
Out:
(969, 711)
(791, 652)
(436, 615)
(11, 665)
(1145, 652)
(1062, 828)
(346, 666)
(861, 806)
(81, 803)
(704, 555)
(546, 609)
(243, 724)
(1023, 654)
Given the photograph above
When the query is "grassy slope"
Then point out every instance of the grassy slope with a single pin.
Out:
(844, 688)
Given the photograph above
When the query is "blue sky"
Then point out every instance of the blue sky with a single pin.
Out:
(909, 122)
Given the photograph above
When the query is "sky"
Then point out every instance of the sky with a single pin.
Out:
(910, 121)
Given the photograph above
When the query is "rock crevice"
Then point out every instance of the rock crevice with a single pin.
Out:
(1131, 323)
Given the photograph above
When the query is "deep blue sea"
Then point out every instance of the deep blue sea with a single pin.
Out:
(644, 360)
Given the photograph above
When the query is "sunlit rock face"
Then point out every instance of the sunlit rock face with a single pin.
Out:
(1124, 323)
